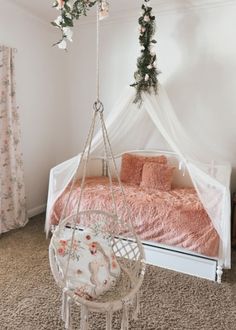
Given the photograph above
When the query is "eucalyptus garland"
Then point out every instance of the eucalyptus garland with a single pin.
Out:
(69, 12)
(146, 74)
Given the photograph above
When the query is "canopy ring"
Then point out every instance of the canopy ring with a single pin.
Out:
(98, 106)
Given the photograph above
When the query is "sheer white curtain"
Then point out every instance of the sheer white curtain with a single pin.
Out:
(131, 128)
(12, 189)
(210, 177)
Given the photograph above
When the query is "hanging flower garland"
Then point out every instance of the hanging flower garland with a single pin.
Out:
(146, 74)
(71, 10)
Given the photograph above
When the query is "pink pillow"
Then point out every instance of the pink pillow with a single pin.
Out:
(157, 176)
(132, 166)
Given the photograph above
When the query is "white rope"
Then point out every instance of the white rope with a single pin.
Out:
(109, 156)
(109, 318)
(98, 107)
(125, 317)
(77, 170)
(134, 273)
(88, 148)
(108, 165)
(84, 318)
(117, 173)
(68, 313)
(98, 55)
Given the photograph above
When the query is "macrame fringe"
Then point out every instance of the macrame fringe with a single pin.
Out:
(84, 318)
(136, 306)
(63, 306)
(66, 309)
(109, 320)
(68, 314)
(125, 318)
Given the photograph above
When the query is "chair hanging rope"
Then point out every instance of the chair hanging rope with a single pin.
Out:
(93, 244)
(98, 58)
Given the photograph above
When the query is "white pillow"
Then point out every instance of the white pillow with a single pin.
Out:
(93, 268)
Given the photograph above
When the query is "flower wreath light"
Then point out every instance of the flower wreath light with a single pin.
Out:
(95, 255)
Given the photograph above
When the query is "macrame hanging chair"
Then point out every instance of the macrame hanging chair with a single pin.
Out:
(95, 256)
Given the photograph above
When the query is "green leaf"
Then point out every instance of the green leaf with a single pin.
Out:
(55, 24)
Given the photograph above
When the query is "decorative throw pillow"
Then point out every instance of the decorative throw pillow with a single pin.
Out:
(157, 176)
(132, 166)
(93, 268)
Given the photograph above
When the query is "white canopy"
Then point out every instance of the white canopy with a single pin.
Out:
(130, 128)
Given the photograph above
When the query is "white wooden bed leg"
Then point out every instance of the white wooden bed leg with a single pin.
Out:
(219, 273)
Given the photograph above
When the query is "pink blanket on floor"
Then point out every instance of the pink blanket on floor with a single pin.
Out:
(175, 218)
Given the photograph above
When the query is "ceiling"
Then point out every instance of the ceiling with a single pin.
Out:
(43, 8)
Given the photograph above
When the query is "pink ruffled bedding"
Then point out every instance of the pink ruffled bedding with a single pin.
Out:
(176, 217)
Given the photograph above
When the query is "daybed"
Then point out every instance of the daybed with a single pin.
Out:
(174, 227)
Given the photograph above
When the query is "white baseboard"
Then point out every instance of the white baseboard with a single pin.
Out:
(36, 210)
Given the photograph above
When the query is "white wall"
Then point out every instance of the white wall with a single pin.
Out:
(56, 91)
(41, 87)
(196, 54)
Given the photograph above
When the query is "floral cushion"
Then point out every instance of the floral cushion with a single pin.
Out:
(93, 268)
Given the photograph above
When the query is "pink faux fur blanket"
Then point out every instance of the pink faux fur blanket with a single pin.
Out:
(175, 217)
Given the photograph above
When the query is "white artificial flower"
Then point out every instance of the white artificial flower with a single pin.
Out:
(68, 15)
(143, 29)
(60, 4)
(146, 18)
(146, 77)
(69, 4)
(149, 67)
(153, 53)
(103, 9)
(147, 4)
(62, 44)
(155, 64)
(151, 46)
(142, 48)
(59, 20)
(68, 33)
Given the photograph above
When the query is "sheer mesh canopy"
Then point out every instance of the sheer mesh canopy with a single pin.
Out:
(154, 126)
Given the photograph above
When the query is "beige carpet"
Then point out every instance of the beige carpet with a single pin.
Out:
(29, 299)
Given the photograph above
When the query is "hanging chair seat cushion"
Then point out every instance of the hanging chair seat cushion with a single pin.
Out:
(93, 268)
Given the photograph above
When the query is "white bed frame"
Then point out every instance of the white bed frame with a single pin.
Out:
(161, 255)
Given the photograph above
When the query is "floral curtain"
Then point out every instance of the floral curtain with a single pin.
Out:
(12, 189)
